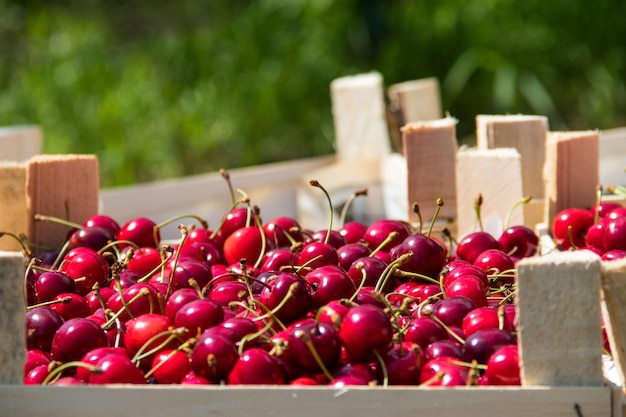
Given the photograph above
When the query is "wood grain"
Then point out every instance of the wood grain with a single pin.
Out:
(12, 318)
(614, 294)
(13, 212)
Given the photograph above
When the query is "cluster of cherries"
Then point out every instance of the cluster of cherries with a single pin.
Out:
(255, 302)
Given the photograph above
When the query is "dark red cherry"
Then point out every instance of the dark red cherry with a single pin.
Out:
(474, 244)
(104, 221)
(42, 324)
(483, 343)
(381, 230)
(350, 252)
(329, 283)
(93, 237)
(283, 231)
(256, 367)
(141, 231)
(49, 284)
(365, 330)
(291, 287)
(316, 254)
(75, 338)
(213, 356)
(428, 256)
(519, 241)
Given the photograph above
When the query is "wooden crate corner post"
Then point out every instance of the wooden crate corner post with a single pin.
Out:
(12, 319)
(430, 149)
(559, 319)
(495, 175)
(63, 186)
(571, 171)
(614, 298)
(13, 213)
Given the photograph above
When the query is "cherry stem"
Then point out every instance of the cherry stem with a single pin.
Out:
(407, 274)
(252, 336)
(257, 222)
(383, 368)
(164, 260)
(203, 223)
(362, 283)
(55, 374)
(573, 246)
(28, 253)
(390, 270)
(271, 313)
(316, 183)
(232, 207)
(420, 224)
(226, 176)
(354, 196)
(144, 292)
(59, 259)
(478, 202)
(445, 326)
(507, 219)
(301, 334)
(171, 335)
(433, 379)
(64, 300)
(188, 344)
(389, 238)
(596, 212)
(432, 222)
(70, 224)
(184, 233)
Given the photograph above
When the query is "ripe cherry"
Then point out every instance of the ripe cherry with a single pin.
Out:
(75, 338)
(141, 231)
(503, 366)
(519, 241)
(256, 366)
(474, 244)
(244, 243)
(570, 226)
(365, 329)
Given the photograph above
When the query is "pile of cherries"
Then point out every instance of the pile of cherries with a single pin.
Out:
(255, 302)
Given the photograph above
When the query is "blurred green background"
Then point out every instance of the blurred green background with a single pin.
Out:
(168, 88)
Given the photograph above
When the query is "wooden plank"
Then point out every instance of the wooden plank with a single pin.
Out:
(430, 149)
(614, 294)
(527, 134)
(158, 401)
(494, 174)
(358, 109)
(13, 212)
(571, 171)
(12, 319)
(19, 143)
(64, 186)
(559, 319)
(412, 101)
(613, 156)
(273, 187)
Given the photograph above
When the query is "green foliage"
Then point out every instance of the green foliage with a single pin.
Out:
(159, 89)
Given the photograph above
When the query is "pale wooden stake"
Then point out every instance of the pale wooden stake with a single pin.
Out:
(430, 149)
(359, 117)
(12, 318)
(18, 143)
(614, 292)
(64, 186)
(527, 134)
(13, 212)
(571, 172)
(559, 319)
(412, 101)
(494, 174)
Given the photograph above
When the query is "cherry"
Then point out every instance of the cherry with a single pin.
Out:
(138, 299)
(615, 234)
(141, 231)
(484, 318)
(451, 373)
(519, 241)
(379, 231)
(213, 356)
(468, 286)
(353, 231)
(49, 284)
(235, 219)
(256, 366)
(310, 339)
(199, 315)
(34, 358)
(595, 235)
(423, 331)
(495, 261)
(428, 256)
(474, 244)
(37, 375)
(350, 252)
(170, 366)
(328, 283)
(481, 344)
(335, 239)
(71, 306)
(225, 292)
(503, 366)
(116, 368)
(574, 219)
(317, 254)
(613, 255)
(282, 231)
(244, 243)
(184, 271)
(452, 311)
(42, 324)
(192, 379)
(92, 237)
(86, 267)
(403, 363)
(279, 287)
(178, 299)
(75, 338)
(449, 275)
(443, 348)
(365, 331)
(236, 328)
(93, 357)
(604, 208)
(144, 260)
(152, 328)
(372, 269)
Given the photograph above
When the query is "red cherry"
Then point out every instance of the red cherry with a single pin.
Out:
(423, 331)
(427, 256)
(245, 243)
(34, 358)
(380, 230)
(237, 218)
(317, 254)
(73, 306)
(104, 221)
(403, 363)
(328, 283)
(42, 324)
(474, 244)
(519, 241)
(503, 366)
(353, 231)
(452, 311)
(365, 329)
(483, 318)
(494, 261)
(595, 235)
(480, 345)
(75, 338)
(86, 267)
(350, 252)
(152, 328)
(256, 366)
(198, 315)
(281, 231)
(284, 285)
(578, 220)
(613, 255)
(170, 366)
(451, 373)
(468, 286)
(213, 356)
(309, 337)
(443, 348)
(93, 357)
(141, 231)
(615, 234)
(117, 368)
(52, 283)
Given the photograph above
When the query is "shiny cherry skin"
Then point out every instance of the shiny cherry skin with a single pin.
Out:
(198, 315)
(484, 318)
(503, 366)
(353, 231)
(117, 368)
(350, 252)
(428, 257)
(104, 221)
(87, 267)
(329, 283)
(403, 364)
(324, 339)
(170, 366)
(92, 237)
(49, 284)
(423, 331)
(365, 329)
(615, 234)
(579, 220)
(475, 243)
(451, 311)
(483, 343)
(281, 286)
(75, 338)
(317, 254)
(244, 243)
(519, 241)
(283, 231)
(213, 356)
(141, 231)
(42, 324)
(256, 366)
(380, 230)
(468, 286)
(370, 268)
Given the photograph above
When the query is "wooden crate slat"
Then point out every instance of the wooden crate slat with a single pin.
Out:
(559, 319)
(13, 211)
(614, 293)
(12, 318)
(19, 143)
(166, 401)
